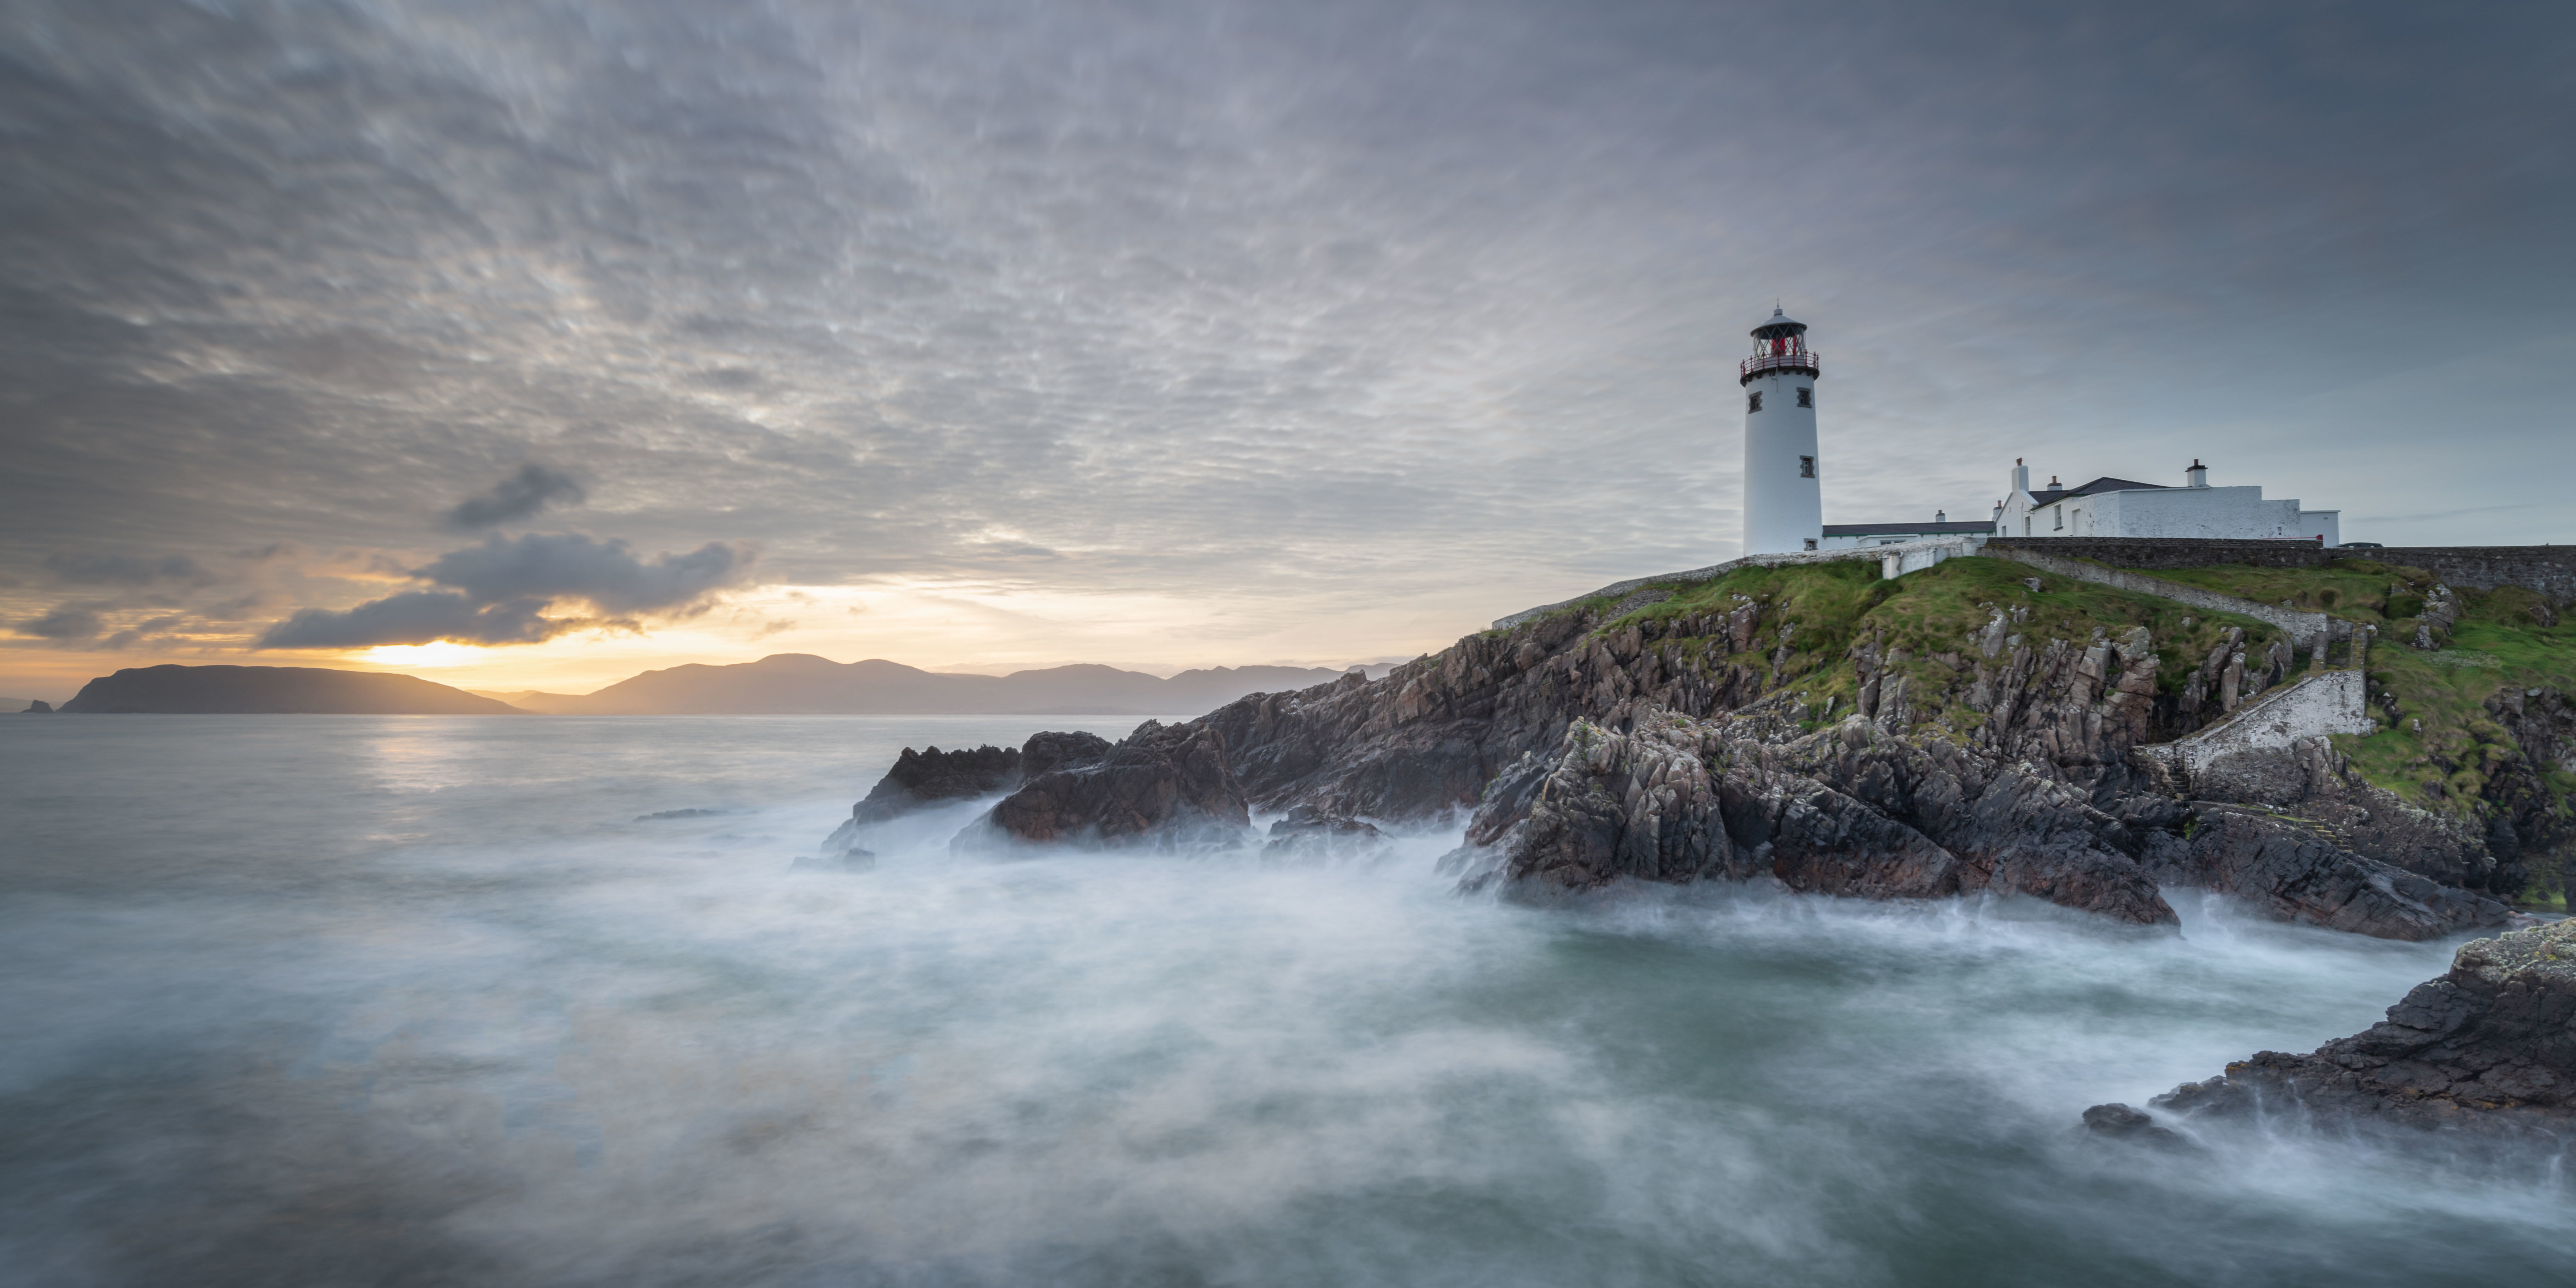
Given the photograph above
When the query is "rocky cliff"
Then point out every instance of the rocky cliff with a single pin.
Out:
(1965, 729)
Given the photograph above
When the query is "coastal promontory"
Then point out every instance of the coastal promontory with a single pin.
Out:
(274, 690)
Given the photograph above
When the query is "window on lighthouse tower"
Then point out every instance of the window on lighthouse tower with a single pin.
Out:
(1806, 467)
(1753, 402)
(1806, 397)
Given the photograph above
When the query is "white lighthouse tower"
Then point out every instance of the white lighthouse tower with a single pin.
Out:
(1784, 505)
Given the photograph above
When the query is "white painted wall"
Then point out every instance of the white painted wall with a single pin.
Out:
(2322, 523)
(1880, 539)
(2319, 703)
(1783, 509)
(2209, 513)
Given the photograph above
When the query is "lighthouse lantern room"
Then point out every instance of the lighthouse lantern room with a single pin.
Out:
(1784, 508)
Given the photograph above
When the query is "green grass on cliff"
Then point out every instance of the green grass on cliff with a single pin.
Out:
(1934, 616)
(2446, 765)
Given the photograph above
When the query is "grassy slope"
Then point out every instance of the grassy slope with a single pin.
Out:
(1934, 615)
(2497, 643)
(2444, 766)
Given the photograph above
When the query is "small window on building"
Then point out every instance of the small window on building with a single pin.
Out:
(2025, 525)
(2060, 512)
(1806, 397)
(1811, 543)
(1753, 402)
(1806, 467)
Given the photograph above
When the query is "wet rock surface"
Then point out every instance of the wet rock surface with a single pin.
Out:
(1307, 834)
(2488, 1049)
(1165, 785)
(928, 776)
(1044, 753)
(2120, 1122)
(921, 779)
(2295, 868)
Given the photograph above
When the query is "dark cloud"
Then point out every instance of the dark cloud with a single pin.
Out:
(501, 590)
(418, 617)
(605, 573)
(517, 497)
(69, 622)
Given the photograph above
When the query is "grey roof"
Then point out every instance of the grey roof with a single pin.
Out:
(2105, 483)
(1895, 529)
(1776, 325)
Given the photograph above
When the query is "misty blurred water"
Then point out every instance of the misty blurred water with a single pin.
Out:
(317, 1000)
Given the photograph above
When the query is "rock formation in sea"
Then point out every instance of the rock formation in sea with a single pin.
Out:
(38, 707)
(1164, 786)
(920, 779)
(1306, 834)
(2488, 1050)
(1966, 729)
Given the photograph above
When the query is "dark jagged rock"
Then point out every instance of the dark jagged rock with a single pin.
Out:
(38, 707)
(1307, 834)
(1851, 812)
(2295, 870)
(2313, 787)
(920, 779)
(2120, 1122)
(1045, 753)
(2488, 1049)
(1164, 786)
(928, 776)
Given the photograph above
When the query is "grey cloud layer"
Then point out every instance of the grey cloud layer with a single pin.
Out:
(417, 617)
(1338, 300)
(604, 572)
(517, 497)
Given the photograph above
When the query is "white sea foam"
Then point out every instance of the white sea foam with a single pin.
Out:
(352, 997)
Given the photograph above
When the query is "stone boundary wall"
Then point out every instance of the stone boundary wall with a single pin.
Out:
(2550, 570)
(2313, 705)
(1892, 561)
(2306, 628)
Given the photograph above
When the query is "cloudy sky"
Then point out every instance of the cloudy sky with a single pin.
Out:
(599, 336)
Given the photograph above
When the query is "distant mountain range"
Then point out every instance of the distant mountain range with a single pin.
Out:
(781, 684)
(803, 684)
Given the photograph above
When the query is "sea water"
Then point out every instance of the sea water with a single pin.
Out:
(424, 1001)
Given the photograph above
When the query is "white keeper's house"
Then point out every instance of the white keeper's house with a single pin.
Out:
(2109, 507)
(1784, 482)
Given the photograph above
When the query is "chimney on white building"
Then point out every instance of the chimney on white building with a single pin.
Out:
(2197, 475)
(2054, 485)
(1940, 516)
(2020, 476)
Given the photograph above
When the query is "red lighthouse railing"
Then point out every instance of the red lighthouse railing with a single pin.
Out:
(1760, 363)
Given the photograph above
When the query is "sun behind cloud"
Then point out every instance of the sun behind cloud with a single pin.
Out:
(436, 653)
